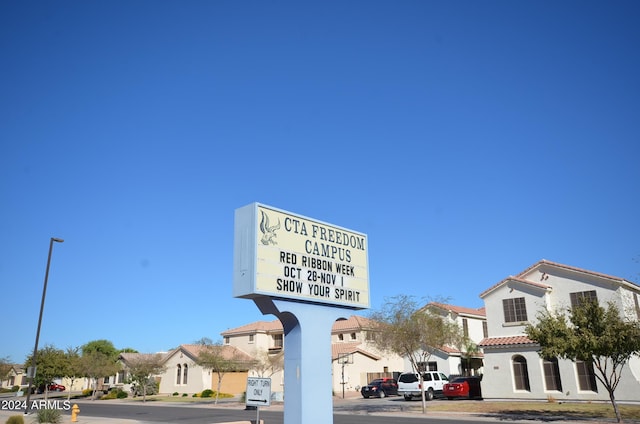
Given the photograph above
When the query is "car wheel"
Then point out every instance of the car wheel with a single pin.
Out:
(450, 397)
(429, 394)
(365, 396)
(382, 394)
(407, 397)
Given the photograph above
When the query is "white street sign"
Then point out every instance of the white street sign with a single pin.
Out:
(258, 391)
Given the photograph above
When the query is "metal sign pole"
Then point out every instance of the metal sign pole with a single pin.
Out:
(257, 415)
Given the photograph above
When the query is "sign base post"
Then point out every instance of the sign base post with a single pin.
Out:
(307, 358)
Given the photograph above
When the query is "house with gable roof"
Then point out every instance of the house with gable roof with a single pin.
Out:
(184, 375)
(354, 358)
(466, 359)
(16, 376)
(513, 368)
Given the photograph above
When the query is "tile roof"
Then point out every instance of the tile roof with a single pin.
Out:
(339, 349)
(505, 341)
(132, 356)
(517, 279)
(353, 323)
(545, 263)
(460, 310)
(256, 327)
(194, 350)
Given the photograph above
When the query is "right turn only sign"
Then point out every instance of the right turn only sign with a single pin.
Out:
(258, 391)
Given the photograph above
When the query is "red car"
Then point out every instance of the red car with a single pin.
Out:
(55, 387)
(463, 387)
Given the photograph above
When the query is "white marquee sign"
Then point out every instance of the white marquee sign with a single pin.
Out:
(279, 254)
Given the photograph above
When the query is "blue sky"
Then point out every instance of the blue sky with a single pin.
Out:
(467, 139)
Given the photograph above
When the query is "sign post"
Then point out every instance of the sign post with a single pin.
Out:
(309, 274)
(258, 394)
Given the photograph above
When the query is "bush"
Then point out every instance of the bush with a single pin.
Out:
(175, 394)
(15, 419)
(185, 395)
(207, 393)
(195, 395)
(115, 394)
(49, 416)
(87, 392)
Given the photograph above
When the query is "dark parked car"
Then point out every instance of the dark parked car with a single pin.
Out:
(381, 387)
(463, 387)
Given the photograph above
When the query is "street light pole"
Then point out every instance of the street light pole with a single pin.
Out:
(35, 349)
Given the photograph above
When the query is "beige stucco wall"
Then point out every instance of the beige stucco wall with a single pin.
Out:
(198, 378)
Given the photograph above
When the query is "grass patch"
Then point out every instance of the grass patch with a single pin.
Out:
(571, 410)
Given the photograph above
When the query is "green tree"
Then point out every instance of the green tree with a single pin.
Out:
(98, 360)
(74, 367)
(220, 359)
(413, 332)
(103, 346)
(468, 351)
(51, 363)
(5, 367)
(142, 367)
(591, 333)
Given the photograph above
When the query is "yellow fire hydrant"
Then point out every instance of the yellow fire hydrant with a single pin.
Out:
(75, 410)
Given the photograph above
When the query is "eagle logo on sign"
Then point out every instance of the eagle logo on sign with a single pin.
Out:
(268, 231)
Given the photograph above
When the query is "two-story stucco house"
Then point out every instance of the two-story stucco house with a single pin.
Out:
(354, 359)
(513, 368)
(465, 359)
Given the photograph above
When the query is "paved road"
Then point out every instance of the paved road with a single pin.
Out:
(353, 410)
(206, 414)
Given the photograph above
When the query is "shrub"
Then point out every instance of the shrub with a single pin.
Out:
(49, 416)
(196, 395)
(87, 392)
(185, 395)
(15, 419)
(175, 394)
(207, 393)
(115, 394)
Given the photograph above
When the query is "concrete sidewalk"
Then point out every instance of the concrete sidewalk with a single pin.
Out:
(66, 418)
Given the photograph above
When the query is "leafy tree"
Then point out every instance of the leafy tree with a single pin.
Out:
(50, 363)
(5, 367)
(590, 333)
(74, 368)
(103, 346)
(220, 359)
(142, 367)
(468, 350)
(98, 360)
(128, 350)
(412, 332)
